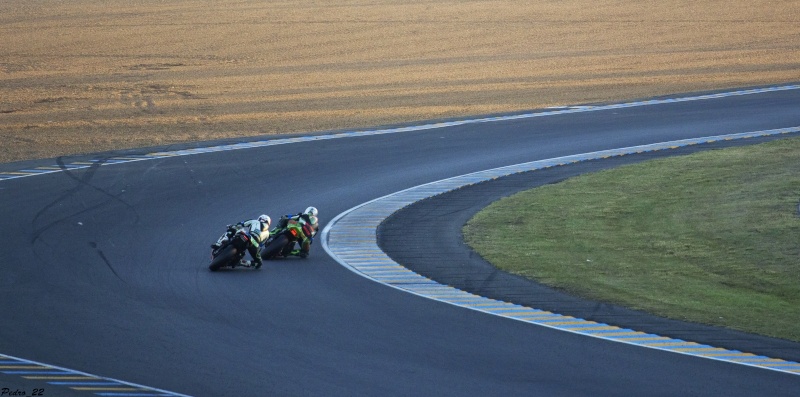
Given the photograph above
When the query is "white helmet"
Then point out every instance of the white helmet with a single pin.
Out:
(264, 218)
(312, 211)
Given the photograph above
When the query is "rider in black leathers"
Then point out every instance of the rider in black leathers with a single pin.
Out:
(257, 229)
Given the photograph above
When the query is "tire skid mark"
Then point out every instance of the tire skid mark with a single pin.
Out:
(83, 181)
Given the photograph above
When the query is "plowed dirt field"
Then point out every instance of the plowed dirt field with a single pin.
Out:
(85, 75)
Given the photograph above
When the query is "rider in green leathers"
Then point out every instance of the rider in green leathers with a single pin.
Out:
(309, 224)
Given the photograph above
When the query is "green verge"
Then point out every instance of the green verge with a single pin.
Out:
(712, 237)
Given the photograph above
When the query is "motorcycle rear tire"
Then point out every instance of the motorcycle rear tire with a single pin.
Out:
(223, 258)
(275, 247)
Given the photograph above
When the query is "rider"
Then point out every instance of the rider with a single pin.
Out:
(307, 217)
(257, 229)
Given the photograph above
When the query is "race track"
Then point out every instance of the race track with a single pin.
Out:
(104, 269)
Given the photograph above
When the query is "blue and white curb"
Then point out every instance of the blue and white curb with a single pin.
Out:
(77, 165)
(351, 239)
(76, 380)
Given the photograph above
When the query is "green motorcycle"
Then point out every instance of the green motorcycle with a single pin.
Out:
(282, 238)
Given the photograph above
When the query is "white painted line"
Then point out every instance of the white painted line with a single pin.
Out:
(353, 134)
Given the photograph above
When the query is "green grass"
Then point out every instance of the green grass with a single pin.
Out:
(712, 237)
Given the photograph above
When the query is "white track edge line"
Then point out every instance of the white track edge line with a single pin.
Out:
(121, 159)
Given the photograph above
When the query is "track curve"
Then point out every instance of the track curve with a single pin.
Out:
(437, 264)
(105, 269)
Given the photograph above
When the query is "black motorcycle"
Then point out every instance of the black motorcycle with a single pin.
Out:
(231, 251)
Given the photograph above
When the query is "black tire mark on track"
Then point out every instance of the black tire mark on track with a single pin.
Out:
(83, 181)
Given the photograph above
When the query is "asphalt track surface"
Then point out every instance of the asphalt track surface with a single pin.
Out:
(104, 271)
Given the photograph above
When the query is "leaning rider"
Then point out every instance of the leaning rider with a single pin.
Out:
(257, 229)
(306, 218)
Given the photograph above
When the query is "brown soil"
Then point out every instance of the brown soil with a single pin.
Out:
(84, 76)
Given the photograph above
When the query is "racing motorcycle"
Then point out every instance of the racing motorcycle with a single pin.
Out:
(283, 238)
(231, 251)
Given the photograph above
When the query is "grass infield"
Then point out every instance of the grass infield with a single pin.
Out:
(712, 237)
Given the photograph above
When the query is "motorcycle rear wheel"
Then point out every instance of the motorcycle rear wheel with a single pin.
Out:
(275, 247)
(223, 258)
